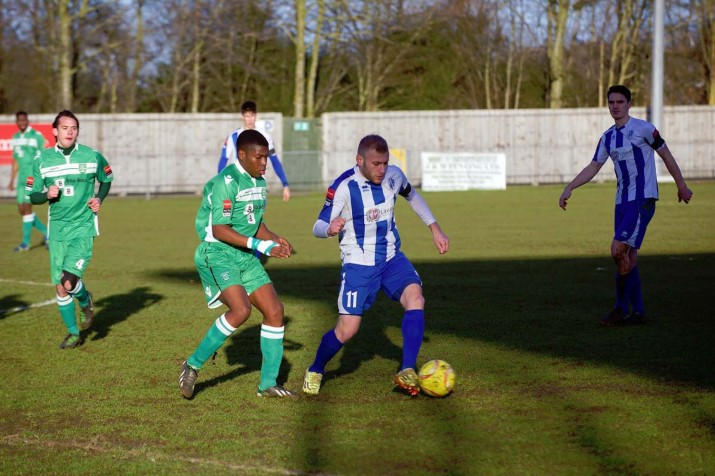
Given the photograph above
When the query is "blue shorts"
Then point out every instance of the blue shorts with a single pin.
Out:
(631, 221)
(359, 284)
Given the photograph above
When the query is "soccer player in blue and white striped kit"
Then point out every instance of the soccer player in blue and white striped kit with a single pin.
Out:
(630, 143)
(359, 208)
(249, 112)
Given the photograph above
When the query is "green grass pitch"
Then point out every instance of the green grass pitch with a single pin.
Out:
(513, 307)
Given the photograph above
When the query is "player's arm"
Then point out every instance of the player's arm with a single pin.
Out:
(684, 193)
(230, 236)
(420, 207)
(278, 167)
(584, 176)
(226, 152)
(329, 222)
(13, 175)
(264, 233)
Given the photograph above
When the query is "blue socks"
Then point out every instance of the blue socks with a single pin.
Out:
(413, 329)
(628, 291)
(329, 346)
(634, 291)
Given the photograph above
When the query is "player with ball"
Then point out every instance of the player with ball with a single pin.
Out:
(359, 209)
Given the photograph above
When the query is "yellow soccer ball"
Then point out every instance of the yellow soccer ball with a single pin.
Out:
(437, 378)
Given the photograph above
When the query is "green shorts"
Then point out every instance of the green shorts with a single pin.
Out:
(220, 266)
(72, 256)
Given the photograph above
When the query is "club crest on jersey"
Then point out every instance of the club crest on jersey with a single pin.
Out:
(83, 168)
(391, 183)
(29, 182)
(630, 134)
(227, 208)
(225, 276)
(107, 170)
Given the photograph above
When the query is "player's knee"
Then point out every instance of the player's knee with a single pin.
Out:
(237, 315)
(69, 281)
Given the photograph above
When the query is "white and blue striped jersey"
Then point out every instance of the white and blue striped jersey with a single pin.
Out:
(370, 234)
(632, 147)
(229, 154)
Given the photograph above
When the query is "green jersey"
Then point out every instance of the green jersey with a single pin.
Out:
(233, 198)
(75, 174)
(25, 147)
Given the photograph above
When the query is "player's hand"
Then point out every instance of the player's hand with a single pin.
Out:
(53, 192)
(336, 226)
(286, 194)
(11, 186)
(563, 199)
(285, 245)
(684, 194)
(441, 241)
(94, 204)
(279, 251)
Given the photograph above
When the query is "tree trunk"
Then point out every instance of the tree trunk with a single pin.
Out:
(314, 60)
(299, 86)
(557, 14)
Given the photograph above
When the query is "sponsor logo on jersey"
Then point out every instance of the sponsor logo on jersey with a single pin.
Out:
(227, 179)
(107, 170)
(380, 212)
(365, 187)
(208, 291)
(227, 208)
(29, 182)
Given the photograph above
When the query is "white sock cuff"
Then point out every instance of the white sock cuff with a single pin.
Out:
(28, 218)
(223, 326)
(270, 332)
(64, 300)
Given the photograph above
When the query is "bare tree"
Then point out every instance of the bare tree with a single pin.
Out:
(557, 13)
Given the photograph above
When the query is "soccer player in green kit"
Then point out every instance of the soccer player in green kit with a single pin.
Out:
(231, 228)
(27, 143)
(66, 175)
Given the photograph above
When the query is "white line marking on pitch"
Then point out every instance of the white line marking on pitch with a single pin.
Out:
(29, 306)
(31, 283)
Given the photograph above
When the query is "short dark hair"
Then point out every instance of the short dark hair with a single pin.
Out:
(372, 142)
(20, 113)
(248, 106)
(248, 138)
(620, 89)
(65, 113)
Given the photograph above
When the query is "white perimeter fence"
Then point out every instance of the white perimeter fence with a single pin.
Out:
(178, 153)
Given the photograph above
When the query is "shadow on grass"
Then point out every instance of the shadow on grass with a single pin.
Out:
(11, 304)
(542, 306)
(117, 308)
(243, 351)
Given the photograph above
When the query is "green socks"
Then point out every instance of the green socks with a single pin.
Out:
(66, 305)
(214, 339)
(272, 350)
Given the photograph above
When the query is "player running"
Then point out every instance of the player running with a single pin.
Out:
(630, 143)
(359, 208)
(228, 152)
(66, 175)
(231, 228)
(27, 144)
